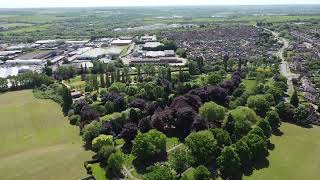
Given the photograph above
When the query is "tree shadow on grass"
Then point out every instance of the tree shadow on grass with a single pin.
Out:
(87, 147)
(270, 146)
(247, 170)
(277, 132)
(307, 126)
(261, 163)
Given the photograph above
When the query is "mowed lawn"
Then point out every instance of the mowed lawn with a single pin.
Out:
(37, 141)
(296, 155)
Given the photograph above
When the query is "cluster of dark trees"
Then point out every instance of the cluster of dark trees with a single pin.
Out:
(163, 104)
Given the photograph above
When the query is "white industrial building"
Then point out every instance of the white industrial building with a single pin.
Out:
(8, 71)
(154, 54)
(49, 41)
(10, 53)
(169, 53)
(15, 70)
(152, 44)
(25, 62)
(148, 38)
(74, 42)
(121, 42)
(57, 59)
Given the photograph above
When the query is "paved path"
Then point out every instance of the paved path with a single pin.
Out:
(128, 171)
(284, 66)
(175, 147)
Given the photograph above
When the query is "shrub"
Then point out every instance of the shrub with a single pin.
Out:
(105, 152)
(91, 131)
(115, 161)
(74, 119)
(212, 112)
(102, 140)
(201, 173)
(242, 113)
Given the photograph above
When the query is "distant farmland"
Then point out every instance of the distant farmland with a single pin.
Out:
(37, 142)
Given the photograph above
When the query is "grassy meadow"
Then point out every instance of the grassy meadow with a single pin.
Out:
(37, 141)
(295, 156)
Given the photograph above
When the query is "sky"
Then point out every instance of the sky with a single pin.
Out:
(106, 3)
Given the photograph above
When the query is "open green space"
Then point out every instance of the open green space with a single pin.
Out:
(76, 83)
(37, 142)
(295, 157)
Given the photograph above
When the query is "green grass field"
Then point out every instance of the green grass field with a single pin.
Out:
(37, 142)
(295, 157)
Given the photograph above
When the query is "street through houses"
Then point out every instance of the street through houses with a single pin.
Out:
(284, 66)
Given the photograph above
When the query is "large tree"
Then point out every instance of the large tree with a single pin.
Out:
(102, 140)
(244, 153)
(180, 160)
(294, 99)
(301, 114)
(257, 146)
(91, 131)
(259, 104)
(115, 161)
(129, 132)
(222, 137)
(201, 173)
(274, 120)
(265, 126)
(202, 146)
(67, 99)
(147, 145)
(159, 172)
(212, 112)
(214, 78)
(229, 163)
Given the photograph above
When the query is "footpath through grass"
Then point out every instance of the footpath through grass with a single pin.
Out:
(295, 157)
(37, 142)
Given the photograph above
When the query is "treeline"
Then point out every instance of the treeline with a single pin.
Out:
(26, 80)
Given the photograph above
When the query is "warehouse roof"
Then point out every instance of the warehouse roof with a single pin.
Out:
(152, 44)
(120, 41)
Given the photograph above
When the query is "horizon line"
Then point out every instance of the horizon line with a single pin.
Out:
(178, 5)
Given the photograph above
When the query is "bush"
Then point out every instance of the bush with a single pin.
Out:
(265, 126)
(159, 173)
(212, 112)
(202, 145)
(242, 113)
(273, 119)
(259, 104)
(201, 173)
(71, 112)
(147, 145)
(91, 131)
(115, 161)
(109, 107)
(102, 140)
(74, 119)
(105, 152)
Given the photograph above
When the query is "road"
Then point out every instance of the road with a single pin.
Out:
(284, 66)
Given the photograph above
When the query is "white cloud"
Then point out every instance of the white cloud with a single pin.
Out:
(92, 3)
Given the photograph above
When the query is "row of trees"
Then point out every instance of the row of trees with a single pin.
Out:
(26, 80)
